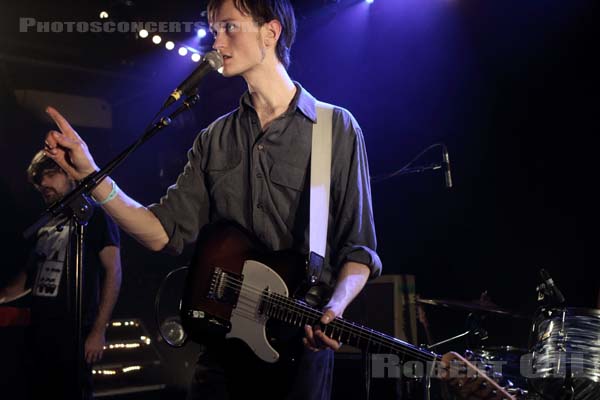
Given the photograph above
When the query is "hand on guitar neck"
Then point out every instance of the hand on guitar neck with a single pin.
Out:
(351, 280)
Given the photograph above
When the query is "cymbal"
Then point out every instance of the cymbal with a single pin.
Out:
(474, 306)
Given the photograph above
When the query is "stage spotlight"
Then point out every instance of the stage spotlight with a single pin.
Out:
(156, 39)
(143, 33)
(201, 33)
(170, 45)
(196, 57)
(183, 51)
(103, 15)
(370, 1)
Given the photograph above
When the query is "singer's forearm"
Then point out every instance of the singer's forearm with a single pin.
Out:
(352, 278)
(110, 256)
(132, 217)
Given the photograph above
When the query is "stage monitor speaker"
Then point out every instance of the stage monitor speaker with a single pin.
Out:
(386, 304)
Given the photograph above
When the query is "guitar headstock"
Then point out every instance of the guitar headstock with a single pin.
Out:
(469, 382)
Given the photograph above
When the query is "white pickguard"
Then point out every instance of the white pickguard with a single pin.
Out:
(247, 323)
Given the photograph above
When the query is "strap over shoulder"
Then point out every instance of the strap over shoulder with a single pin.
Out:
(320, 184)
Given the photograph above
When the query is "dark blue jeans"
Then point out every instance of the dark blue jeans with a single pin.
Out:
(229, 370)
(51, 366)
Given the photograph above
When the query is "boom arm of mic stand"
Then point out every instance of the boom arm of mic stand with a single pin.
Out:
(418, 170)
(406, 171)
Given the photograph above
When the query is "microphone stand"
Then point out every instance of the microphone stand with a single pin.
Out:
(77, 207)
(407, 170)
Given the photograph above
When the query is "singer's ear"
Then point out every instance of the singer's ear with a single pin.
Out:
(272, 30)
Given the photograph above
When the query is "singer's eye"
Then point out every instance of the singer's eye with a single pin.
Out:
(230, 28)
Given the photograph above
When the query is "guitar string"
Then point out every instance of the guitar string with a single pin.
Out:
(277, 298)
(355, 329)
(290, 303)
(249, 313)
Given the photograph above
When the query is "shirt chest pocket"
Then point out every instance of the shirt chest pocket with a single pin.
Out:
(219, 169)
(286, 176)
(290, 199)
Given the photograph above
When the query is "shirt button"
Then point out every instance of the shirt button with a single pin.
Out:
(259, 206)
(260, 147)
(259, 175)
(254, 121)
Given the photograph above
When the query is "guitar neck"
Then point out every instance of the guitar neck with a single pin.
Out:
(468, 379)
(298, 313)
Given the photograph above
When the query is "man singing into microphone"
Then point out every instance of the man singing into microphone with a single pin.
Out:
(252, 167)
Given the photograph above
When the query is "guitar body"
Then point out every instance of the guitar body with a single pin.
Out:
(229, 272)
(237, 289)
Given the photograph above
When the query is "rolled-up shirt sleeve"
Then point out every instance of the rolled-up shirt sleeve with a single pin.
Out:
(184, 209)
(354, 237)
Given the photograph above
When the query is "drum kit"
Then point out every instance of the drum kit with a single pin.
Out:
(562, 360)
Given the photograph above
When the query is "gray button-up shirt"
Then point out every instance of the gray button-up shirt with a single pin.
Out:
(260, 179)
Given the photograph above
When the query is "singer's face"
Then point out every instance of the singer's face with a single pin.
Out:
(238, 38)
(54, 185)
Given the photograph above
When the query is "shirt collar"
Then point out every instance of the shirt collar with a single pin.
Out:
(303, 101)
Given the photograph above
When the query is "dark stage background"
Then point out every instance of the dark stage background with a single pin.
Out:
(509, 86)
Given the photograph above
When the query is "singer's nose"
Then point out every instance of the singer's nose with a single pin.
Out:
(218, 44)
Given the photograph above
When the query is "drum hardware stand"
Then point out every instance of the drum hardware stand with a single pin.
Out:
(474, 330)
(431, 346)
(549, 295)
(547, 291)
(567, 387)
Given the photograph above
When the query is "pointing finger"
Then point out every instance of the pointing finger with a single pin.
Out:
(62, 123)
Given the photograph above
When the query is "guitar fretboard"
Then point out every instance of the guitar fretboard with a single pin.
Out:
(298, 313)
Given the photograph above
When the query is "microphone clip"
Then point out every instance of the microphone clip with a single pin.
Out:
(547, 291)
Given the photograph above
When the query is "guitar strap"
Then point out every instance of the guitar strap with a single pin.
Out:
(320, 186)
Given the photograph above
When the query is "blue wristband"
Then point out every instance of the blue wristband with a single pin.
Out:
(111, 195)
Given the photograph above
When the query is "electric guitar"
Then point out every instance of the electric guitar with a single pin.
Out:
(236, 288)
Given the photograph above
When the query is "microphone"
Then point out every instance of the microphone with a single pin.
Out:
(551, 288)
(446, 168)
(212, 61)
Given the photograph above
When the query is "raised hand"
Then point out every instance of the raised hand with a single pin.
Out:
(67, 148)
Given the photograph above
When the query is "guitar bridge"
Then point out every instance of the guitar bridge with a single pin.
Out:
(225, 287)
